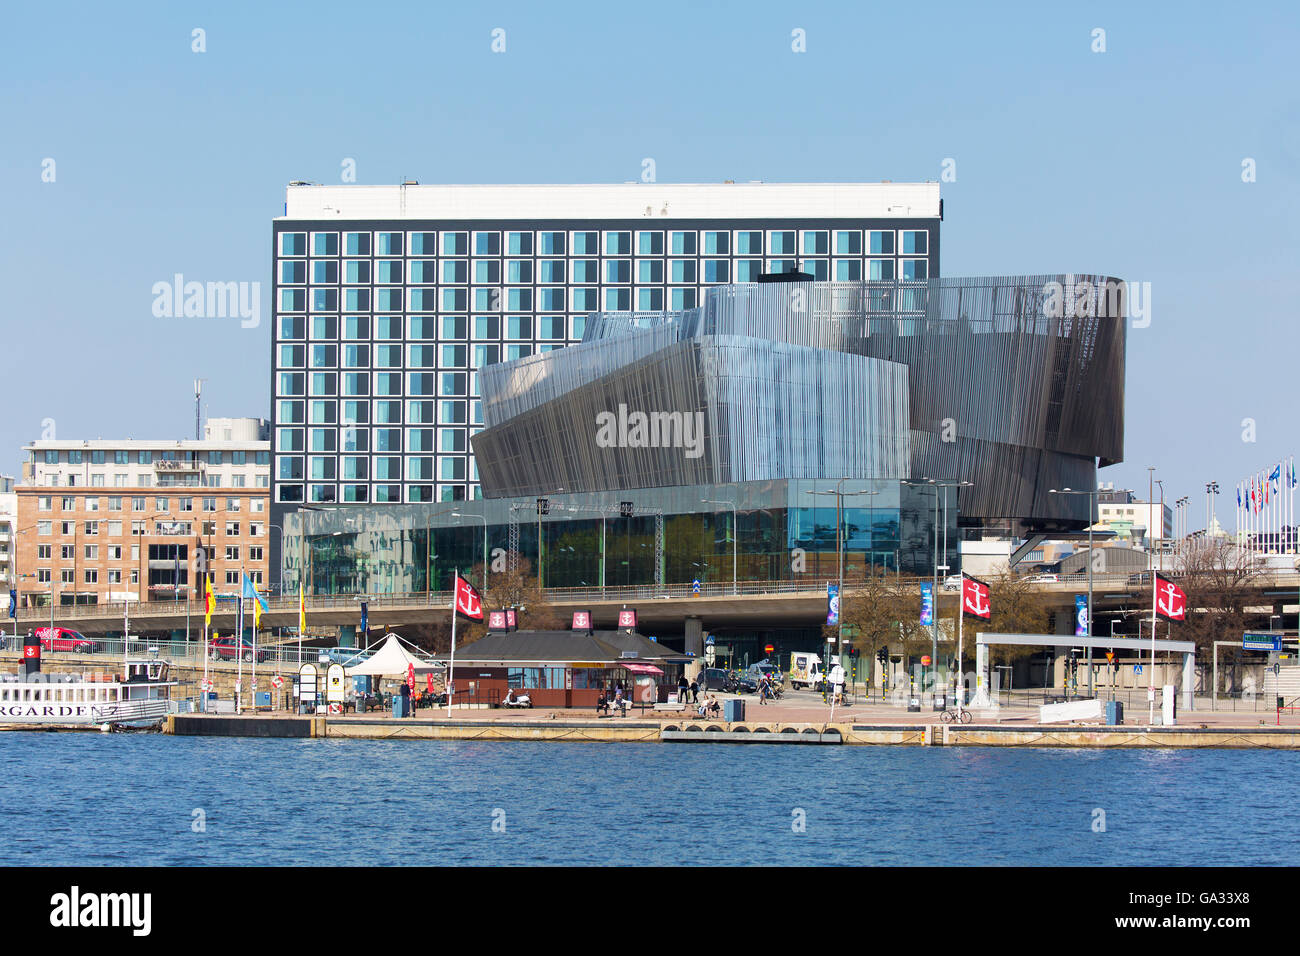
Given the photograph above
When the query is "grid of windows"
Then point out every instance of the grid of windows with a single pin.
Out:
(380, 327)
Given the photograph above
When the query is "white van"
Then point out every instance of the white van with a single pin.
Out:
(805, 669)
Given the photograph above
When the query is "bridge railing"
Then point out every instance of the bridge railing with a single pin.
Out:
(68, 616)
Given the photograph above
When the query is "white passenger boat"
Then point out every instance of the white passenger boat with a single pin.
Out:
(138, 697)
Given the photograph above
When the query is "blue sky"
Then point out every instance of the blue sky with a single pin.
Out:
(1127, 162)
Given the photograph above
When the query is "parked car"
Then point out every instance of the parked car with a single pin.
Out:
(713, 678)
(951, 583)
(743, 684)
(347, 656)
(1044, 578)
(225, 649)
(68, 641)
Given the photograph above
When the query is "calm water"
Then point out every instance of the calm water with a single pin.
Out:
(71, 799)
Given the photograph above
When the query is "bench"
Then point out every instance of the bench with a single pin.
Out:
(670, 707)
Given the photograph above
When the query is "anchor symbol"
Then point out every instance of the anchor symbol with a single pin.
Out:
(1168, 607)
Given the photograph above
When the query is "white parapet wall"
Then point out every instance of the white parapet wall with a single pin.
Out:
(1072, 710)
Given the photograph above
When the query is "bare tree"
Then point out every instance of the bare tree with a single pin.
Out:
(1221, 580)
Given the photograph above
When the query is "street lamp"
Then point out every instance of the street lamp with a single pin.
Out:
(840, 495)
(1092, 511)
(735, 540)
(936, 484)
(1211, 489)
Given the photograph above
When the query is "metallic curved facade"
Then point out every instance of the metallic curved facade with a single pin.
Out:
(1015, 384)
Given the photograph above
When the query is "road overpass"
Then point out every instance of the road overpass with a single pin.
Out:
(750, 604)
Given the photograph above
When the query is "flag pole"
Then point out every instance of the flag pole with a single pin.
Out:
(1151, 680)
(961, 627)
(451, 665)
(239, 657)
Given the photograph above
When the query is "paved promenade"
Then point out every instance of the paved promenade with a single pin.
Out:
(807, 707)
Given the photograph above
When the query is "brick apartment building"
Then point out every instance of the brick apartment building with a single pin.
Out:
(106, 521)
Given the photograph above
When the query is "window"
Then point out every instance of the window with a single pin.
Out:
(255, 554)
(749, 242)
(586, 244)
(915, 270)
(232, 529)
(915, 242)
(717, 270)
(115, 503)
(650, 243)
(815, 243)
(781, 242)
(848, 270)
(455, 243)
(618, 243)
(881, 243)
(551, 243)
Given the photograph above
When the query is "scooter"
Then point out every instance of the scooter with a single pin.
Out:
(523, 700)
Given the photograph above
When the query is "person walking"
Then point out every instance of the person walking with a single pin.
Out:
(695, 690)
(683, 685)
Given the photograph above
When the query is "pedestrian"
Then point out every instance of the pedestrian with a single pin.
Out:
(683, 685)
(406, 699)
(695, 691)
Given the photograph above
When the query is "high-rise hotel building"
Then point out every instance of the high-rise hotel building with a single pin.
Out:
(389, 299)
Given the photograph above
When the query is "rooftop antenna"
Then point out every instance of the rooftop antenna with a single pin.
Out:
(198, 414)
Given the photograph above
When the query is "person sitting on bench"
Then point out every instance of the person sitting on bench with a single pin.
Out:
(602, 704)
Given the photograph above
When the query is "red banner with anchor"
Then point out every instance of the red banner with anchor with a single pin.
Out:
(975, 597)
(468, 601)
(1171, 602)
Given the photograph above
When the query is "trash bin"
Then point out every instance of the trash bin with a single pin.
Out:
(398, 710)
(263, 699)
(733, 710)
(1114, 713)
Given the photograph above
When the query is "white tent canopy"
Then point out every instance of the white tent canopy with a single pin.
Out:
(391, 660)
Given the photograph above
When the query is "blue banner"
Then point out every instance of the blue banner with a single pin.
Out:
(927, 604)
(13, 603)
(364, 616)
(1081, 615)
(832, 605)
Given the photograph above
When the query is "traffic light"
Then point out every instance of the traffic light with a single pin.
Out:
(543, 506)
(882, 655)
(625, 509)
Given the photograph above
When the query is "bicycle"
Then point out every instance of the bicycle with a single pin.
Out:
(959, 714)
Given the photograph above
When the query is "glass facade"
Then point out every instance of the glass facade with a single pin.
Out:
(784, 531)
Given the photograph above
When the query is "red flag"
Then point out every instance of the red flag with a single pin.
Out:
(975, 597)
(1171, 602)
(428, 679)
(468, 601)
(410, 676)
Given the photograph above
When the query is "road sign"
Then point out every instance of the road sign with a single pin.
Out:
(768, 648)
(925, 661)
(1261, 641)
(1137, 669)
(1110, 657)
(277, 681)
(205, 684)
(695, 586)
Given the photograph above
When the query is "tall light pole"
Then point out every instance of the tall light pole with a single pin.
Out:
(735, 541)
(1211, 489)
(1092, 514)
(840, 495)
